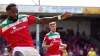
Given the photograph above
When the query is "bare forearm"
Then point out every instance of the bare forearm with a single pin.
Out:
(63, 45)
(46, 20)
(45, 46)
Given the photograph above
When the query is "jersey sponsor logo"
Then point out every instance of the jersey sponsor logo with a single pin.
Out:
(17, 29)
(14, 24)
(14, 27)
(53, 37)
(56, 40)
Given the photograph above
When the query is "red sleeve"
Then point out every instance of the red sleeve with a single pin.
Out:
(46, 38)
(0, 31)
(32, 19)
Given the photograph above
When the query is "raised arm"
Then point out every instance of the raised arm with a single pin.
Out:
(45, 20)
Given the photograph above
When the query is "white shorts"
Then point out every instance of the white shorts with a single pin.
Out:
(26, 51)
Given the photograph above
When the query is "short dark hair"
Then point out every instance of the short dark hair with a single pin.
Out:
(9, 6)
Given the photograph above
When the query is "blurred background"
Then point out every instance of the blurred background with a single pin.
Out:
(79, 33)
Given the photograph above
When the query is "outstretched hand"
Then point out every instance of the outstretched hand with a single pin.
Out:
(66, 15)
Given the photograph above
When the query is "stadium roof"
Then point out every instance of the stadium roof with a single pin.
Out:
(87, 3)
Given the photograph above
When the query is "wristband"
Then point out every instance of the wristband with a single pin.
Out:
(59, 17)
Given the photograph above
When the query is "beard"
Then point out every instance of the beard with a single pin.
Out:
(14, 19)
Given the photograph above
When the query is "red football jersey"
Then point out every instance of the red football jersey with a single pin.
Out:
(17, 33)
(55, 40)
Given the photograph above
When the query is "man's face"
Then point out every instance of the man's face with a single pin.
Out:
(13, 14)
(5, 49)
(91, 49)
(53, 28)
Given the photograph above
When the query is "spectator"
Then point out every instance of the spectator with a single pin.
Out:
(0, 53)
(72, 32)
(70, 53)
(63, 51)
(81, 52)
(97, 52)
(92, 52)
(6, 53)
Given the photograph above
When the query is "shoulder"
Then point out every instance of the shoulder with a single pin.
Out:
(94, 51)
(20, 16)
(57, 33)
(28, 16)
(3, 24)
(47, 34)
(50, 34)
(89, 52)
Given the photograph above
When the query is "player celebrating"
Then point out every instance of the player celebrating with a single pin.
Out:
(52, 41)
(15, 30)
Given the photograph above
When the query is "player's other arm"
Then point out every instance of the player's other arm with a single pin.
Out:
(63, 45)
(45, 41)
(45, 20)
(44, 45)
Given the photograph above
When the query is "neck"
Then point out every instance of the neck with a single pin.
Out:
(52, 32)
(11, 19)
(92, 51)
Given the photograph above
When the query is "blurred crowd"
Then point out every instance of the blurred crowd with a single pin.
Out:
(78, 44)
(4, 47)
